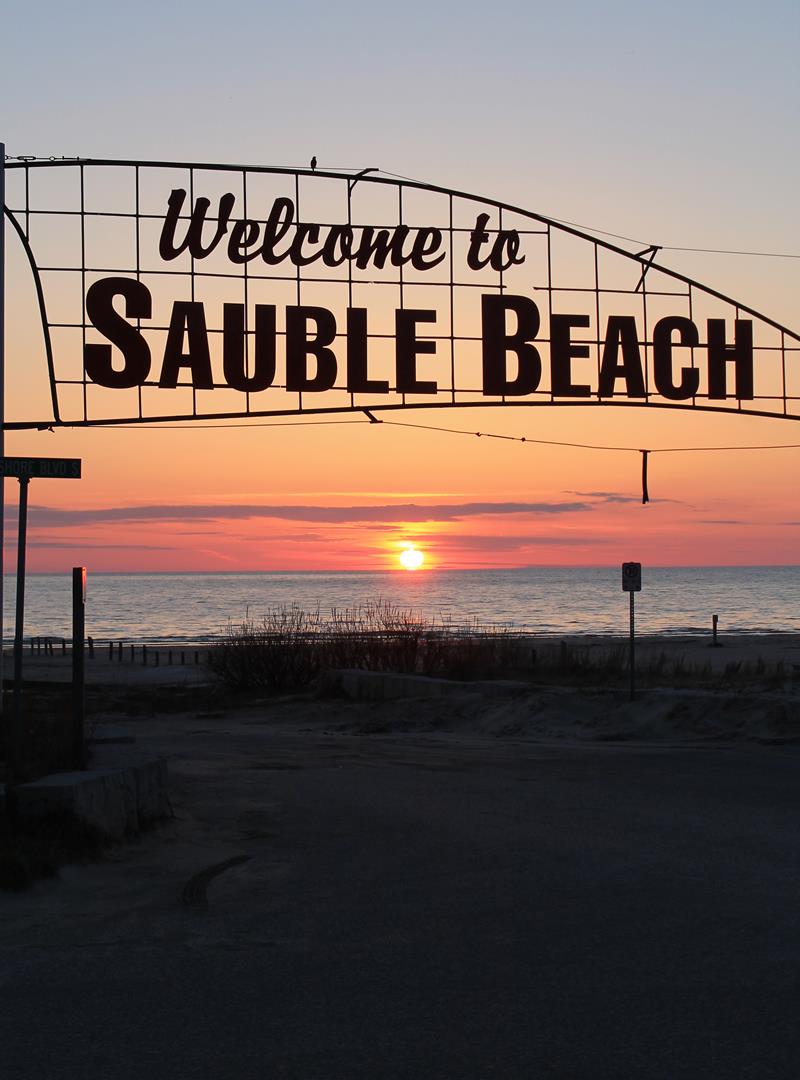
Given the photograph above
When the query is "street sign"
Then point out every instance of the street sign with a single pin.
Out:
(49, 468)
(631, 577)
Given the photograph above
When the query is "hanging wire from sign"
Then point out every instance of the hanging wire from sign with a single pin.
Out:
(371, 419)
(645, 454)
(585, 446)
(634, 240)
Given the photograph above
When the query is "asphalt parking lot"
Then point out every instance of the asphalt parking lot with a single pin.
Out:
(336, 905)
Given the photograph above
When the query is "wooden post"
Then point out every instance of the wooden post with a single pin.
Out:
(78, 667)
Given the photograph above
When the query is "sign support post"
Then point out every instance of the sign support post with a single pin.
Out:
(633, 649)
(632, 583)
(78, 670)
(20, 614)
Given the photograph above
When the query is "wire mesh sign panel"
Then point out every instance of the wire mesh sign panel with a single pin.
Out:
(186, 292)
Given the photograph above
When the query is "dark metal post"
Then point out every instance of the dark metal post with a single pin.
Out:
(714, 621)
(633, 651)
(78, 667)
(20, 617)
(2, 393)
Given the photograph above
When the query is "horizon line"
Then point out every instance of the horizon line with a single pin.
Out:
(419, 572)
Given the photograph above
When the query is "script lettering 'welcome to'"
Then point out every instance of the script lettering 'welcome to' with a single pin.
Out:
(282, 238)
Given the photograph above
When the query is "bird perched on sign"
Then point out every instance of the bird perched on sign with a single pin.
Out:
(313, 163)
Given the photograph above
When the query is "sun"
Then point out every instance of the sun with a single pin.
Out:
(411, 558)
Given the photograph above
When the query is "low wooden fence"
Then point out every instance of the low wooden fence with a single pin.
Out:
(148, 654)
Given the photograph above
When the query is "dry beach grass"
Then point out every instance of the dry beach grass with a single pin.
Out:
(478, 678)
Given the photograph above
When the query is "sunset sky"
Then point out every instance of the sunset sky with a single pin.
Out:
(670, 124)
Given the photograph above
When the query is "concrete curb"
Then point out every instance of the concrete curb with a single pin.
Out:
(117, 802)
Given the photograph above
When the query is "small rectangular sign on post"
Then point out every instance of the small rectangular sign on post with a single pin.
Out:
(44, 467)
(632, 583)
(631, 577)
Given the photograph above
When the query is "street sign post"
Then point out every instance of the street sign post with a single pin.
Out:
(24, 469)
(631, 584)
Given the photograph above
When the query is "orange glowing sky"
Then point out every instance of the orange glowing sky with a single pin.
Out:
(685, 156)
(274, 499)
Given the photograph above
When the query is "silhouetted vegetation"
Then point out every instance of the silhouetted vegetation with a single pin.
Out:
(289, 647)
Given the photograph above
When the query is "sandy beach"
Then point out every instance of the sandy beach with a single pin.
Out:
(746, 688)
(507, 881)
(694, 651)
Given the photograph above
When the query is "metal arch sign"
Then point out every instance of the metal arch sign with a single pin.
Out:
(172, 291)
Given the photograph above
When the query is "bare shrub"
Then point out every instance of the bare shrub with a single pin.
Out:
(281, 652)
(289, 646)
(376, 636)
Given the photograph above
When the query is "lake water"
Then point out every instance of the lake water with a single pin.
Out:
(191, 607)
